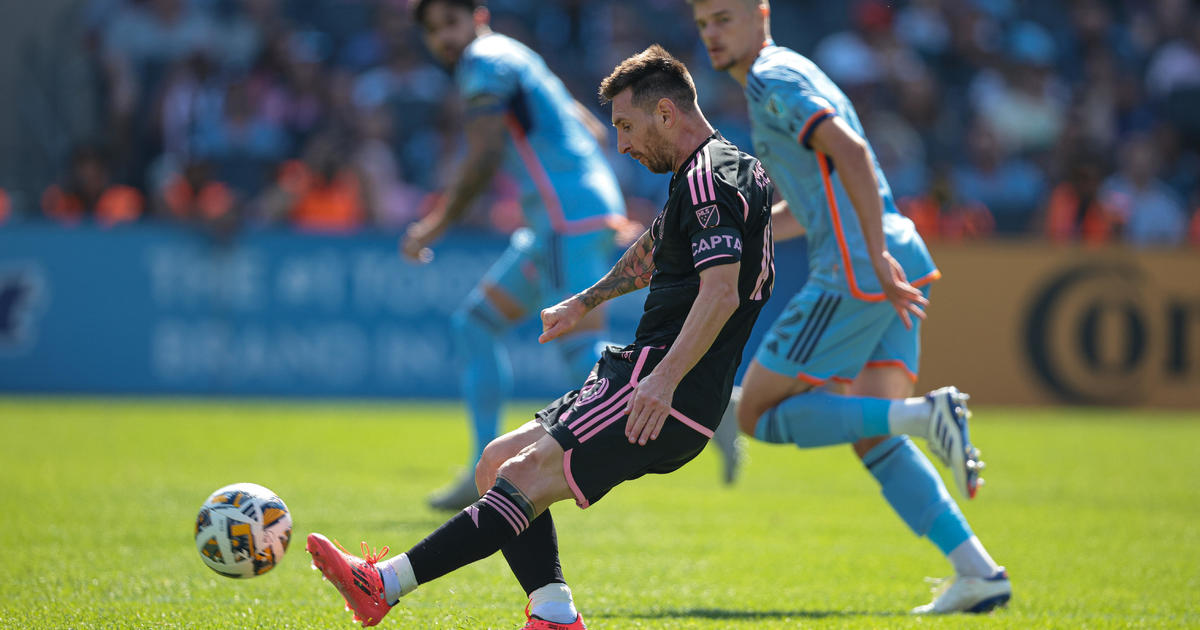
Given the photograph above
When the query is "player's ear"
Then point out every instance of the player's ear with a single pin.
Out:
(665, 112)
(482, 16)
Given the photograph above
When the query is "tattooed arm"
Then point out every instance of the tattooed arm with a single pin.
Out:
(631, 273)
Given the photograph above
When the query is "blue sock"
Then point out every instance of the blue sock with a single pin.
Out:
(484, 368)
(916, 492)
(580, 351)
(819, 418)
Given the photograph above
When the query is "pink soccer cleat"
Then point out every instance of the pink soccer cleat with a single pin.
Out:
(356, 578)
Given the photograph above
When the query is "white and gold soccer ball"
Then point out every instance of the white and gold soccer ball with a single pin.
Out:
(243, 530)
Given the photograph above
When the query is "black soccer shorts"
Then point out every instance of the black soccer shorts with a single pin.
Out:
(589, 423)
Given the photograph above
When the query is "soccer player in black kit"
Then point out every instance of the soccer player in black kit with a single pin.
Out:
(649, 407)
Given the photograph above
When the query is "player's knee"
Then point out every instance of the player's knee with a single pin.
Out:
(746, 422)
(748, 413)
(494, 454)
(866, 445)
(530, 471)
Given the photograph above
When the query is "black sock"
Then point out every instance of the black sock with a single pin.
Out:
(473, 534)
(533, 556)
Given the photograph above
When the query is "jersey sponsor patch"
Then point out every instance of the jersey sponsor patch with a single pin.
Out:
(708, 216)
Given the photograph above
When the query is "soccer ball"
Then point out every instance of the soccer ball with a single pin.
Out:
(243, 530)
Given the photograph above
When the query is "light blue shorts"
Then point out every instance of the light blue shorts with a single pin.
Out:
(826, 335)
(542, 270)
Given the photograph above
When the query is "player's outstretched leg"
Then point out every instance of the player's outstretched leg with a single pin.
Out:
(729, 441)
(371, 586)
(486, 381)
(916, 492)
(819, 418)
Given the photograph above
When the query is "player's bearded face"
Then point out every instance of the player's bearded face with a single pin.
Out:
(639, 136)
(655, 152)
(448, 30)
(731, 30)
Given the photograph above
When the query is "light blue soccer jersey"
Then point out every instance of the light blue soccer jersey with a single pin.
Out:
(567, 187)
(788, 95)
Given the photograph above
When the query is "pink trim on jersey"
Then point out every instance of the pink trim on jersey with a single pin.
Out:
(637, 368)
(703, 430)
(596, 409)
(546, 191)
(692, 182)
(768, 264)
(580, 500)
(618, 410)
(505, 508)
(713, 258)
(712, 194)
(745, 207)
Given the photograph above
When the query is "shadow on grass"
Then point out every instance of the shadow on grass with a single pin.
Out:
(717, 613)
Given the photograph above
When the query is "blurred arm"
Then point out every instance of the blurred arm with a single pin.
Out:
(784, 225)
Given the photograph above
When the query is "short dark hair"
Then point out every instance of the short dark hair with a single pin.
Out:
(419, 7)
(651, 74)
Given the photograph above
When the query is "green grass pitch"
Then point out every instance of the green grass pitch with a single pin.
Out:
(1095, 513)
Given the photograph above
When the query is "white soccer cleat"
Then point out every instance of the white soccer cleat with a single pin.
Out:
(948, 438)
(968, 595)
(729, 440)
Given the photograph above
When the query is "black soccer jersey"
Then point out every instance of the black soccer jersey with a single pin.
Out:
(718, 212)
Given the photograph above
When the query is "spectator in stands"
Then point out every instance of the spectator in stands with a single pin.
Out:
(319, 194)
(88, 193)
(1023, 102)
(388, 197)
(241, 143)
(1008, 186)
(939, 214)
(139, 46)
(1075, 211)
(194, 197)
(1148, 211)
(5, 206)
(1173, 79)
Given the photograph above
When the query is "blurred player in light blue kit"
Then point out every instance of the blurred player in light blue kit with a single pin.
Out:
(520, 118)
(839, 365)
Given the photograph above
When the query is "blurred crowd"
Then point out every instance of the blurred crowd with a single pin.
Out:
(1074, 121)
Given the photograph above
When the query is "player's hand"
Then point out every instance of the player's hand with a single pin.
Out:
(561, 318)
(415, 244)
(649, 408)
(908, 300)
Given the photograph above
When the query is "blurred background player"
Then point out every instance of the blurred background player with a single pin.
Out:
(649, 407)
(854, 327)
(519, 117)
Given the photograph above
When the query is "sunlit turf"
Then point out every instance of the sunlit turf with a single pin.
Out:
(1094, 512)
